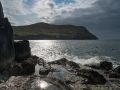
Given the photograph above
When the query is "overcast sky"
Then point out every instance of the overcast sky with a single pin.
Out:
(101, 17)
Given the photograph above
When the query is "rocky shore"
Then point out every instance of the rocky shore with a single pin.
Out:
(19, 70)
(33, 73)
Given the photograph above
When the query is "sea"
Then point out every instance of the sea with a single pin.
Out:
(79, 51)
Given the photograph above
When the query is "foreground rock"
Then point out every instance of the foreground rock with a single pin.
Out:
(26, 67)
(93, 77)
(55, 75)
(7, 52)
(33, 83)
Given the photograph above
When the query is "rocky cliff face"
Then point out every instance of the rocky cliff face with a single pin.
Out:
(7, 52)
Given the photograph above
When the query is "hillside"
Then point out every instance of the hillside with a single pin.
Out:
(52, 32)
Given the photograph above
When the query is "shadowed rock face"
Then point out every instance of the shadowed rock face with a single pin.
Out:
(22, 50)
(7, 52)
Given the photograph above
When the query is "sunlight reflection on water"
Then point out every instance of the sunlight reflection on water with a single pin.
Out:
(40, 85)
(76, 50)
(46, 43)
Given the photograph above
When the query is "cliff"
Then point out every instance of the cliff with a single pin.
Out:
(7, 52)
(52, 32)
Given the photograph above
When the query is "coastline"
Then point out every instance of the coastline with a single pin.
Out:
(61, 74)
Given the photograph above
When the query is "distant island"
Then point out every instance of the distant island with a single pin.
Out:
(44, 31)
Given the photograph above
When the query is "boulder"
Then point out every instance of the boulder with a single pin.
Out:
(114, 75)
(16, 69)
(117, 69)
(61, 61)
(7, 52)
(28, 67)
(73, 64)
(44, 71)
(105, 65)
(22, 50)
(64, 62)
(93, 77)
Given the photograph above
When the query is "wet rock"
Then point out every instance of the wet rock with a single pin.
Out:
(61, 61)
(105, 65)
(93, 77)
(44, 68)
(114, 75)
(16, 69)
(28, 66)
(117, 69)
(22, 50)
(95, 66)
(44, 71)
(65, 62)
(73, 64)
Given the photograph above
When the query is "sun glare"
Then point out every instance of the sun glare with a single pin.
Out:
(43, 84)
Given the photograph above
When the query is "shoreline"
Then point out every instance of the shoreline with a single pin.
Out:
(68, 75)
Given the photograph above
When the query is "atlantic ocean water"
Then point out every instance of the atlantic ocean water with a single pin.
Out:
(80, 51)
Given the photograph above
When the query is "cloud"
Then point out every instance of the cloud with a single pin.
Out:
(45, 10)
(103, 18)
(15, 9)
(48, 10)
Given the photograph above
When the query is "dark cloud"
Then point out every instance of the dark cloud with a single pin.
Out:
(103, 19)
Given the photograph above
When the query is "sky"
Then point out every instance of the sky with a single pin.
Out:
(101, 17)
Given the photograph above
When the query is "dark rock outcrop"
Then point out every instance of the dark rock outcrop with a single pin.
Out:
(117, 69)
(62, 61)
(93, 77)
(22, 50)
(65, 62)
(44, 71)
(7, 52)
(73, 64)
(26, 67)
(103, 65)
(114, 75)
